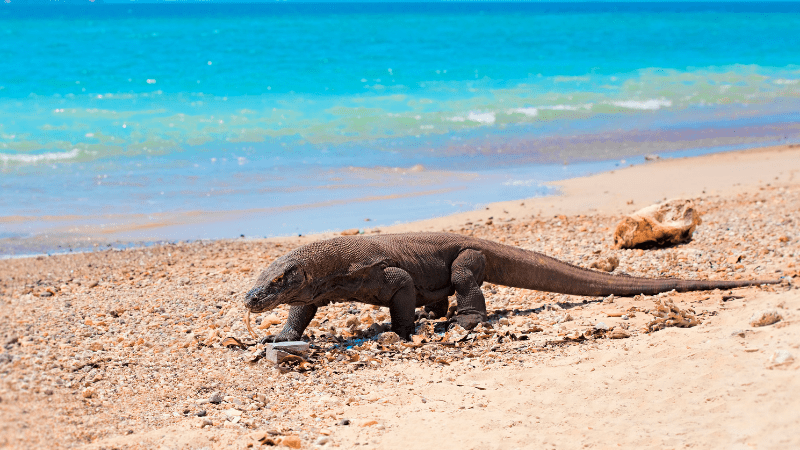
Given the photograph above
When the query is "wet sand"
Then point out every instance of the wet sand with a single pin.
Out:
(124, 349)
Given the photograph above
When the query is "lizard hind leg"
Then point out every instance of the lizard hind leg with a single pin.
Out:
(467, 274)
(400, 295)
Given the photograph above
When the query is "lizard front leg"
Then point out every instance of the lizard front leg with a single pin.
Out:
(400, 295)
(299, 318)
(467, 274)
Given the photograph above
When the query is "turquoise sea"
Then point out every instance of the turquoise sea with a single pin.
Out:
(139, 121)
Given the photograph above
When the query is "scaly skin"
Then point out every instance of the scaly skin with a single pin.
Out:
(406, 271)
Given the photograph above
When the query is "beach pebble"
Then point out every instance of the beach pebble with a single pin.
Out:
(668, 223)
(234, 400)
(88, 393)
(291, 442)
(216, 398)
(781, 357)
(388, 338)
(601, 326)
(618, 333)
(606, 264)
(269, 321)
(764, 318)
(232, 412)
(322, 440)
(343, 422)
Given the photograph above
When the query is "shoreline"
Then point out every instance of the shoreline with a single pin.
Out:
(572, 196)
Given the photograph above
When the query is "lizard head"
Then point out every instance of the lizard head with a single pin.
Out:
(281, 283)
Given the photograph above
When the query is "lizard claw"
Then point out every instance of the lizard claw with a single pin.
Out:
(282, 337)
(467, 321)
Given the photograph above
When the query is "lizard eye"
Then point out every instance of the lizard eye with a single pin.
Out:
(278, 278)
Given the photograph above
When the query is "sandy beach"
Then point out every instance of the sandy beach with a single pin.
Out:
(129, 349)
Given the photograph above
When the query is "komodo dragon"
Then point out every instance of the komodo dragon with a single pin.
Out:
(406, 271)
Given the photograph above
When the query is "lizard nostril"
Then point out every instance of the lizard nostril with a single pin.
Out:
(252, 295)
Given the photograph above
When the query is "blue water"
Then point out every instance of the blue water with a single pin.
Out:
(124, 109)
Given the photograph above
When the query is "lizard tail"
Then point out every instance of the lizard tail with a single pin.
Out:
(515, 267)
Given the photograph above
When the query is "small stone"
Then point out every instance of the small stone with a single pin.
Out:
(322, 440)
(216, 398)
(352, 322)
(291, 442)
(232, 399)
(388, 338)
(206, 423)
(350, 232)
(88, 393)
(201, 413)
(232, 413)
(343, 422)
(366, 319)
(601, 326)
(781, 357)
(375, 329)
(96, 346)
(606, 264)
(766, 317)
(268, 441)
(269, 321)
(618, 333)
(369, 423)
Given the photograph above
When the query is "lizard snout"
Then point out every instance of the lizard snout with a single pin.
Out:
(252, 299)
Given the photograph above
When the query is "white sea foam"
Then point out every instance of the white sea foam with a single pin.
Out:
(651, 104)
(530, 112)
(567, 107)
(526, 183)
(565, 79)
(42, 157)
(486, 118)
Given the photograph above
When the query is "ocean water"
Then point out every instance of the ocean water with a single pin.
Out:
(187, 121)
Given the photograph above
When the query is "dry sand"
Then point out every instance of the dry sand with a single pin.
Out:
(124, 349)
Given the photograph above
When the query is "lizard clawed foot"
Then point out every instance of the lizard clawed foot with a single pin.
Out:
(404, 332)
(468, 321)
(282, 337)
(424, 315)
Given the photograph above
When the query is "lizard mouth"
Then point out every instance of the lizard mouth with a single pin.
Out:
(255, 302)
